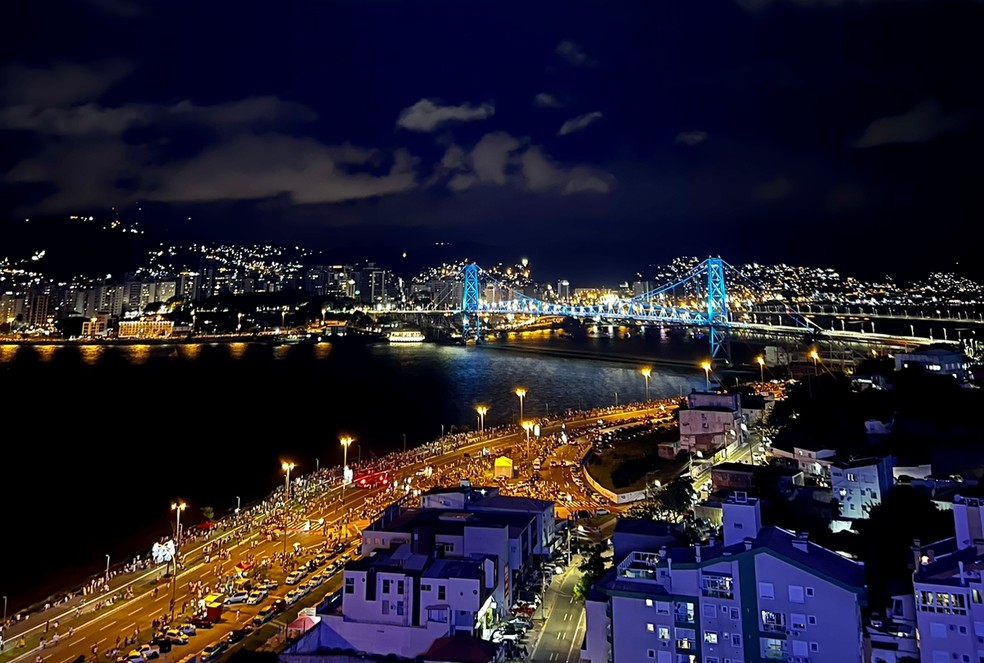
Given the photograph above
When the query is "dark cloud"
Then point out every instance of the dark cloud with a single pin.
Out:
(428, 114)
(921, 123)
(547, 100)
(62, 83)
(254, 167)
(690, 137)
(579, 123)
(573, 53)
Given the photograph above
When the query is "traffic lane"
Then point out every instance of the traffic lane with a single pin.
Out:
(558, 639)
(146, 607)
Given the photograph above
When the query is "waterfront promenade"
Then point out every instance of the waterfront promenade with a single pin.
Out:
(275, 534)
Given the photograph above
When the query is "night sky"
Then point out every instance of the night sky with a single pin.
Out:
(594, 137)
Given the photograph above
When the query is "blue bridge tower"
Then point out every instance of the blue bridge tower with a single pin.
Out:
(470, 323)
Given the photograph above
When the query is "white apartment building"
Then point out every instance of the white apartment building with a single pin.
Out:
(859, 484)
(761, 594)
(949, 590)
(812, 459)
(506, 538)
(488, 500)
(400, 602)
(710, 422)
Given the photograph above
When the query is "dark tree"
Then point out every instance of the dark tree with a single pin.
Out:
(887, 534)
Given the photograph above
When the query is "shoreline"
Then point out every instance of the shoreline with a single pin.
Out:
(593, 355)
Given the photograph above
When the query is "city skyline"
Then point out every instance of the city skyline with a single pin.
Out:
(782, 131)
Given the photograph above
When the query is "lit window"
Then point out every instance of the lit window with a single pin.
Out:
(649, 603)
(711, 637)
(651, 628)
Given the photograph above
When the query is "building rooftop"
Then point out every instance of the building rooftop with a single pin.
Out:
(461, 649)
(450, 521)
(847, 463)
(775, 541)
(515, 503)
(454, 568)
(805, 553)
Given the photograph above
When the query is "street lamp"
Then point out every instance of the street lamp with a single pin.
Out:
(5, 612)
(346, 442)
(178, 507)
(482, 411)
(107, 573)
(521, 392)
(404, 443)
(761, 362)
(646, 371)
(706, 365)
(815, 356)
(528, 427)
(237, 504)
(286, 467)
(317, 465)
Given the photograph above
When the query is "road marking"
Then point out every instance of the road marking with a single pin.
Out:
(130, 614)
(70, 658)
(553, 656)
(99, 642)
(106, 626)
(567, 617)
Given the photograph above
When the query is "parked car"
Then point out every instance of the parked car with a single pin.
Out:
(293, 595)
(149, 650)
(176, 636)
(237, 597)
(268, 585)
(135, 657)
(188, 628)
(521, 622)
(200, 621)
(238, 635)
(256, 597)
(265, 614)
(213, 651)
(294, 577)
(278, 604)
(500, 637)
(160, 639)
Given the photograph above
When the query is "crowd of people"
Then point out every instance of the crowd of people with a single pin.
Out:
(272, 515)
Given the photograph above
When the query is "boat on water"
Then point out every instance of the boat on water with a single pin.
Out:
(406, 336)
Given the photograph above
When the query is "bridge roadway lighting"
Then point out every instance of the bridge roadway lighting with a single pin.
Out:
(761, 362)
(706, 365)
(646, 371)
(815, 356)
(521, 392)
(482, 411)
(346, 441)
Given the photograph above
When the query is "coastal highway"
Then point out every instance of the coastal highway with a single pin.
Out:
(151, 594)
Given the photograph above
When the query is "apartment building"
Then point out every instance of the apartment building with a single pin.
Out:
(949, 589)
(763, 593)
(860, 483)
(710, 422)
(400, 602)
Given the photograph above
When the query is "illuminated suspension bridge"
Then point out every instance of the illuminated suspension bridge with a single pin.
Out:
(698, 298)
